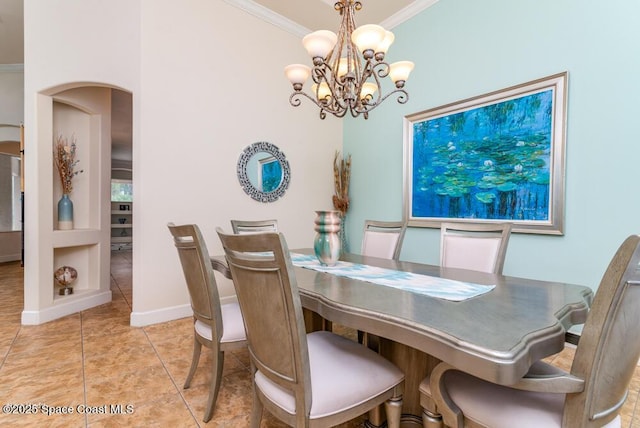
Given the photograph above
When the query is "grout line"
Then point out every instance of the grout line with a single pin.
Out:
(84, 375)
(171, 378)
(15, 336)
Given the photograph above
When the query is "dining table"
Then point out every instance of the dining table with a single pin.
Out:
(495, 333)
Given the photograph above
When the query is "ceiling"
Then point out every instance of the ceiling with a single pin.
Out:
(296, 16)
(303, 16)
(300, 16)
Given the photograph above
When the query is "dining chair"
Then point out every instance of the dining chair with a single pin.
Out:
(474, 246)
(254, 226)
(383, 238)
(318, 379)
(590, 395)
(218, 327)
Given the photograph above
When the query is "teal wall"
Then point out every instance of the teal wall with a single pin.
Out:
(465, 48)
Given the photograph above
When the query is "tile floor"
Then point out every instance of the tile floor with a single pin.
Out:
(95, 359)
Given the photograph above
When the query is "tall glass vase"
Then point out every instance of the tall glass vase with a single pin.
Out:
(327, 243)
(65, 213)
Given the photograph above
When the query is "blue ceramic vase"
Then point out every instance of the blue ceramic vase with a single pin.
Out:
(327, 243)
(65, 213)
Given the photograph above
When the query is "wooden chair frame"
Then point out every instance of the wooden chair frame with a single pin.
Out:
(605, 359)
(264, 278)
(205, 303)
(253, 226)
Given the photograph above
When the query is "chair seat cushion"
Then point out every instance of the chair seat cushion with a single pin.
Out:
(233, 326)
(502, 407)
(343, 375)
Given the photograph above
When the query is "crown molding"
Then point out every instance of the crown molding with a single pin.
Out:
(11, 68)
(270, 16)
(296, 29)
(408, 12)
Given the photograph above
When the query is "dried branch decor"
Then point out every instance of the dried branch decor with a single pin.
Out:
(64, 156)
(341, 176)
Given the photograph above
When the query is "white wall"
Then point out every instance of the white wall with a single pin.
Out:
(212, 85)
(207, 80)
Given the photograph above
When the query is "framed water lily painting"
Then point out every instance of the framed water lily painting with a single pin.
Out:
(497, 157)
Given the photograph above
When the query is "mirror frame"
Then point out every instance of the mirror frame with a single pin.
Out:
(243, 177)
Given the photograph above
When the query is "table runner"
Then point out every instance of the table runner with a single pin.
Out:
(441, 288)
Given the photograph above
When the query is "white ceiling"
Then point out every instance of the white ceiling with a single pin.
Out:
(296, 16)
(303, 16)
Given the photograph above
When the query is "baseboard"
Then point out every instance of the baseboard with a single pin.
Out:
(69, 305)
(10, 258)
(142, 319)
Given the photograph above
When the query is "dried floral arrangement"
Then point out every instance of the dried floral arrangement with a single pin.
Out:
(341, 176)
(64, 155)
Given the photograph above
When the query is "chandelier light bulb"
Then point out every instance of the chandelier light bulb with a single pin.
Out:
(368, 89)
(399, 72)
(386, 42)
(297, 74)
(319, 43)
(323, 92)
(343, 67)
(368, 37)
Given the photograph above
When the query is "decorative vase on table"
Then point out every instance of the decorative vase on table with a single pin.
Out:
(65, 213)
(327, 243)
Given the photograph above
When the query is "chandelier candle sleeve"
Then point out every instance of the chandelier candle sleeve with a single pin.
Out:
(348, 67)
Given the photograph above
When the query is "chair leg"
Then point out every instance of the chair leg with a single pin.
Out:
(431, 420)
(216, 373)
(393, 409)
(197, 346)
(256, 410)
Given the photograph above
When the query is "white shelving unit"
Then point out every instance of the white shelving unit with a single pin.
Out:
(121, 225)
(80, 114)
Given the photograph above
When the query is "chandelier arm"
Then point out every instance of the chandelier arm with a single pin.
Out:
(403, 97)
(295, 101)
(369, 72)
(364, 109)
(321, 74)
(382, 69)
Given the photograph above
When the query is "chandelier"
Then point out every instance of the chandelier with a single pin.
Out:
(342, 80)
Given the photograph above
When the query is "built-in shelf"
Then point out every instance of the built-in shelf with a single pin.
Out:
(75, 237)
(121, 233)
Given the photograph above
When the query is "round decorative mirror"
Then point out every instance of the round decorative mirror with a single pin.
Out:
(263, 172)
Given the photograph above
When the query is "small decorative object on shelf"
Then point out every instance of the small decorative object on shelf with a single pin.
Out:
(341, 176)
(64, 156)
(327, 241)
(65, 276)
